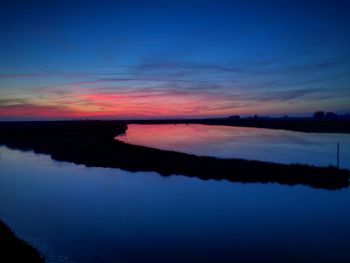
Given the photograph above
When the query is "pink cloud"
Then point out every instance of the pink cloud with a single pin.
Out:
(124, 102)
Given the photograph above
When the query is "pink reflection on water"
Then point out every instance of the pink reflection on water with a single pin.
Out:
(241, 142)
(178, 137)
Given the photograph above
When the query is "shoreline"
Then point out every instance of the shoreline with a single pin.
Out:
(14, 249)
(92, 143)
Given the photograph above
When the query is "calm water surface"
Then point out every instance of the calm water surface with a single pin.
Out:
(241, 142)
(76, 214)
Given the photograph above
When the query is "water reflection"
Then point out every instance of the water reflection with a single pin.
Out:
(243, 142)
(78, 214)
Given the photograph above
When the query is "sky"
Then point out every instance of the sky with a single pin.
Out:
(163, 59)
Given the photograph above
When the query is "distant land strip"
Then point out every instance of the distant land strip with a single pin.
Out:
(92, 143)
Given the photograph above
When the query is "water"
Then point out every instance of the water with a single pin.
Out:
(76, 214)
(241, 142)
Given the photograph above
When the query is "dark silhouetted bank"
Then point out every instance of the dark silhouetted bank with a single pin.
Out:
(15, 250)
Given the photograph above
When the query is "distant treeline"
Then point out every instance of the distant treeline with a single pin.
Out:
(330, 116)
(319, 115)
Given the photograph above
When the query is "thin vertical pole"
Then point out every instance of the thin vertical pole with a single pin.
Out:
(338, 155)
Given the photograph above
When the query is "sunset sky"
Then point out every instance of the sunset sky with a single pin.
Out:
(150, 59)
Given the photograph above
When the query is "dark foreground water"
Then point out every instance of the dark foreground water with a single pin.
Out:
(77, 214)
(270, 145)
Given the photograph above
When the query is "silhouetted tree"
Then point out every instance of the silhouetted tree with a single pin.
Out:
(319, 115)
(331, 115)
(234, 117)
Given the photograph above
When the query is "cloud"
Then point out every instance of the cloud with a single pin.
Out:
(317, 66)
(150, 65)
(26, 110)
(144, 102)
(180, 88)
(12, 101)
(22, 75)
(152, 102)
(302, 63)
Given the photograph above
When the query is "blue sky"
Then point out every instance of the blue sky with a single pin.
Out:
(118, 59)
